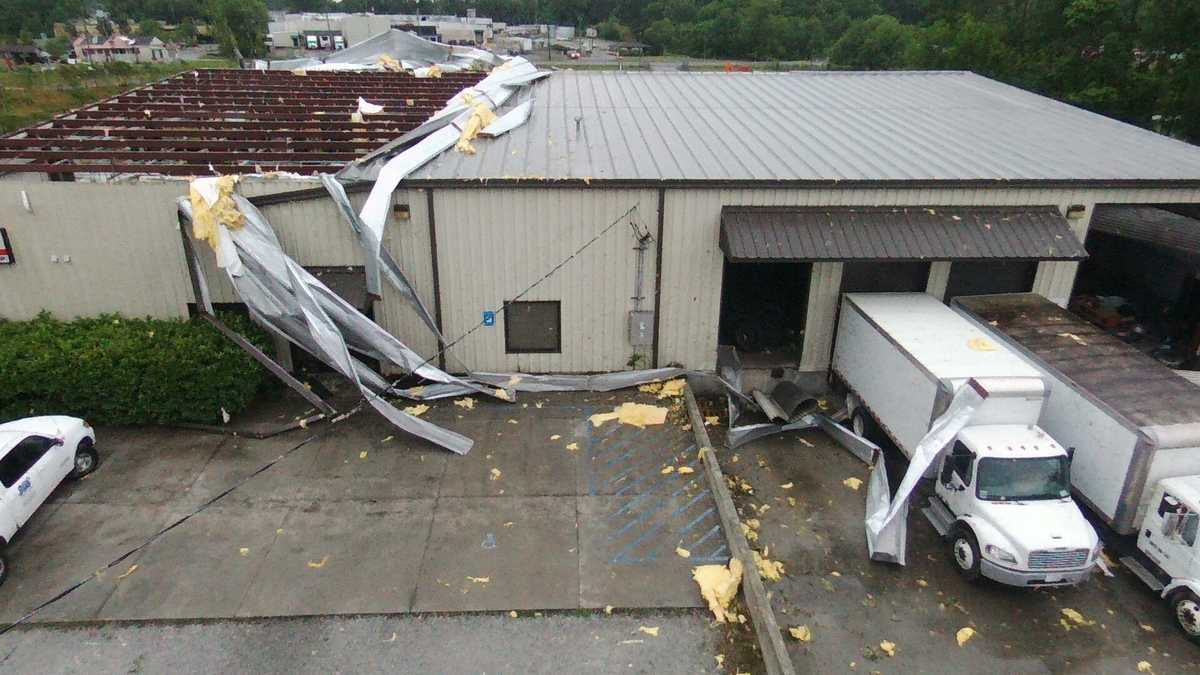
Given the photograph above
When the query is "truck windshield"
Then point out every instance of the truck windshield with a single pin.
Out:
(1027, 478)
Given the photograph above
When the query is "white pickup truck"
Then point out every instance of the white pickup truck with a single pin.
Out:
(36, 454)
(1135, 428)
(1002, 489)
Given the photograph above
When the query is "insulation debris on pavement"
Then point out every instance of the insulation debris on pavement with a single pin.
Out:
(718, 586)
(639, 415)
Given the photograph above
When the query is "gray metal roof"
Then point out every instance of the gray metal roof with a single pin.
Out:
(775, 234)
(1124, 378)
(1149, 224)
(811, 126)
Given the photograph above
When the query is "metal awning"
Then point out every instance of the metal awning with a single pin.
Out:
(1151, 225)
(809, 234)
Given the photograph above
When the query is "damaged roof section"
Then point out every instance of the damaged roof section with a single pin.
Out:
(772, 234)
(233, 122)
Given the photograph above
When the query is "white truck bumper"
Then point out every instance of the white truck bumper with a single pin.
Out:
(1014, 577)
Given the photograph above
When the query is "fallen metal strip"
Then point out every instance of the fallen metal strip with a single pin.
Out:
(739, 436)
(857, 445)
(766, 628)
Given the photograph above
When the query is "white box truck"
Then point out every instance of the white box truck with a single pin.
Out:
(1002, 489)
(1134, 425)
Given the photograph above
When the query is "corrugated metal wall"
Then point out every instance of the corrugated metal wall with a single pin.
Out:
(692, 259)
(493, 243)
(122, 241)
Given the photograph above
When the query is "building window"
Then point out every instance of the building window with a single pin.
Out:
(533, 327)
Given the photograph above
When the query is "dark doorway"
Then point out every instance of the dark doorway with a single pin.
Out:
(885, 277)
(989, 277)
(763, 308)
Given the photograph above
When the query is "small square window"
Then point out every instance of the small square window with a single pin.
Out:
(533, 327)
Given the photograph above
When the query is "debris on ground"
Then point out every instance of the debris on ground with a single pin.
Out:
(417, 410)
(467, 403)
(771, 570)
(686, 470)
(362, 455)
(801, 633)
(888, 647)
(555, 437)
(512, 421)
(608, 609)
(480, 580)
(750, 528)
(712, 421)
(964, 635)
(495, 474)
(572, 446)
(387, 439)
(243, 551)
(787, 486)
(1145, 667)
(718, 585)
(1147, 628)
(667, 469)
(512, 613)
(639, 415)
(852, 483)
(652, 631)
(131, 570)
(668, 389)
(1076, 619)
(682, 552)
(318, 565)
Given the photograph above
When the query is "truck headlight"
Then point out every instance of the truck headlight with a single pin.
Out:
(999, 554)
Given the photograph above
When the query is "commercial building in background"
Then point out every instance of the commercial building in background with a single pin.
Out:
(730, 209)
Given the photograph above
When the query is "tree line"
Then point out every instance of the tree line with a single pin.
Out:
(1136, 60)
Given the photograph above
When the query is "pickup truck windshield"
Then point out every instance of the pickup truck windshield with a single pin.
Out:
(1023, 479)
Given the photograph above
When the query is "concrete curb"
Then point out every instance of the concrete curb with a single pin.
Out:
(766, 628)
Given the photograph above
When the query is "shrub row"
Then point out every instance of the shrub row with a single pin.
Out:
(114, 370)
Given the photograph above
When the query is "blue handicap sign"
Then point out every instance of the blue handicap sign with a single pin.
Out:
(489, 318)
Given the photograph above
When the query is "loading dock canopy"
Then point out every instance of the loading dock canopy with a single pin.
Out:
(1151, 225)
(803, 234)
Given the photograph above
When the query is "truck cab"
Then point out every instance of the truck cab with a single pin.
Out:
(993, 483)
(1168, 538)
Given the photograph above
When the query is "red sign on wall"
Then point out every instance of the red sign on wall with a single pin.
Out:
(6, 252)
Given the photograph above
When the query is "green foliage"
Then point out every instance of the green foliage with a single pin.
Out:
(880, 42)
(113, 370)
(240, 26)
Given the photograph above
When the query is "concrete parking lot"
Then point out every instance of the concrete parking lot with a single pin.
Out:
(547, 512)
(851, 604)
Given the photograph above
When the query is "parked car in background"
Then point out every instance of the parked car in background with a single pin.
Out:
(36, 454)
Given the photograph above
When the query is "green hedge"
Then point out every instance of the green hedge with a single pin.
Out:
(114, 370)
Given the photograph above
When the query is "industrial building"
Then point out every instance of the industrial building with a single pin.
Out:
(745, 204)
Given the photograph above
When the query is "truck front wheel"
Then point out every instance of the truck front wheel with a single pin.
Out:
(964, 551)
(1186, 606)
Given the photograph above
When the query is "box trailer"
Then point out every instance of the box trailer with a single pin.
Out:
(1001, 491)
(1133, 425)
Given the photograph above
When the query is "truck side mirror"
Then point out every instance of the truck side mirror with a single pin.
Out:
(1071, 454)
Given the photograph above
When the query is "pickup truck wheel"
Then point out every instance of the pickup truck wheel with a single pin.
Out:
(86, 459)
(964, 550)
(1186, 606)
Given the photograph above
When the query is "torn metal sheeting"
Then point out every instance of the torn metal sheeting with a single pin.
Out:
(384, 263)
(769, 407)
(944, 429)
(858, 446)
(890, 542)
(509, 120)
(739, 436)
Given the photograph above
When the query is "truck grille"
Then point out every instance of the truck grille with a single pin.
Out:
(1058, 559)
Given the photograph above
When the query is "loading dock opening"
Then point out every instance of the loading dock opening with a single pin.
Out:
(763, 311)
